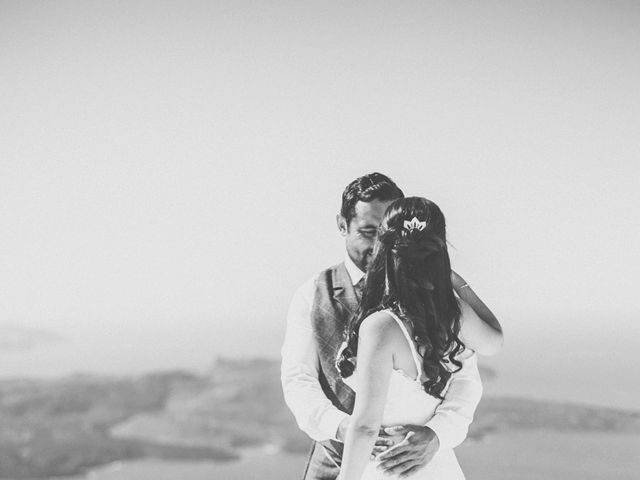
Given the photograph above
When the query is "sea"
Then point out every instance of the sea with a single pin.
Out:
(587, 367)
(528, 455)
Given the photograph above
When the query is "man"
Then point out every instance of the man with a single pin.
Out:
(317, 318)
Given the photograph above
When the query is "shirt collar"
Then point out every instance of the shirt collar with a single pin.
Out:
(354, 272)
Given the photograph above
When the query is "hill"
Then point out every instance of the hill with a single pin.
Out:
(69, 425)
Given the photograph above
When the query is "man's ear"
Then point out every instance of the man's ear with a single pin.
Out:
(342, 225)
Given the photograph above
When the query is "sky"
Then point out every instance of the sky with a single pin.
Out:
(170, 171)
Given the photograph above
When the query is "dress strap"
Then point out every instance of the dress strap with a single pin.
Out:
(414, 351)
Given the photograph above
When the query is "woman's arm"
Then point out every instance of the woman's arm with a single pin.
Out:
(375, 362)
(481, 330)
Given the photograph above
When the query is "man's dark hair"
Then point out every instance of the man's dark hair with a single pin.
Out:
(374, 186)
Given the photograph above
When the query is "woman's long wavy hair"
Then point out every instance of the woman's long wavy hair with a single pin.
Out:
(411, 275)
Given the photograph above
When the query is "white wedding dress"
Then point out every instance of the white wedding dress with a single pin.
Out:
(408, 403)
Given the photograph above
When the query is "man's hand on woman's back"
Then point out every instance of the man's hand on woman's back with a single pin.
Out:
(413, 452)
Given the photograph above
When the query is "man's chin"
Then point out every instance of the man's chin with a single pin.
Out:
(364, 266)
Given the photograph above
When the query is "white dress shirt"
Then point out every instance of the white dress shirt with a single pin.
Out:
(314, 412)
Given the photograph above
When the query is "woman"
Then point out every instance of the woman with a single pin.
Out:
(406, 337)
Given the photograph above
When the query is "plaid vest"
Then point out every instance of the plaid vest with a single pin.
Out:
(335, 301)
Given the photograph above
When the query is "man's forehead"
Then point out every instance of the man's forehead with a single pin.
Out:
(370, 213)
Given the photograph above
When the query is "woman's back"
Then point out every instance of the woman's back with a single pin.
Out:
(406, 402)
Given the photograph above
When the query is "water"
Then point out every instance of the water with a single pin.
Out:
(526, 455)
(567, 366)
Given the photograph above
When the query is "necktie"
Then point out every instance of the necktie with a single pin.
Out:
(359, 287)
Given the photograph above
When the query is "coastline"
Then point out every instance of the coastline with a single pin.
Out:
(230, 417)
(520, 455)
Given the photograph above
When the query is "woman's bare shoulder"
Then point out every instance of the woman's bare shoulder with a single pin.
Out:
(380, 325)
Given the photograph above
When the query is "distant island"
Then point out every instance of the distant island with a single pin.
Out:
(70, 425)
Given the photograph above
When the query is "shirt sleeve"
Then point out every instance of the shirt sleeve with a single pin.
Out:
(313, 411)
(454, 415)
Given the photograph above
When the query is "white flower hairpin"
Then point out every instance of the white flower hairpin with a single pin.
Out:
(414, 224)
